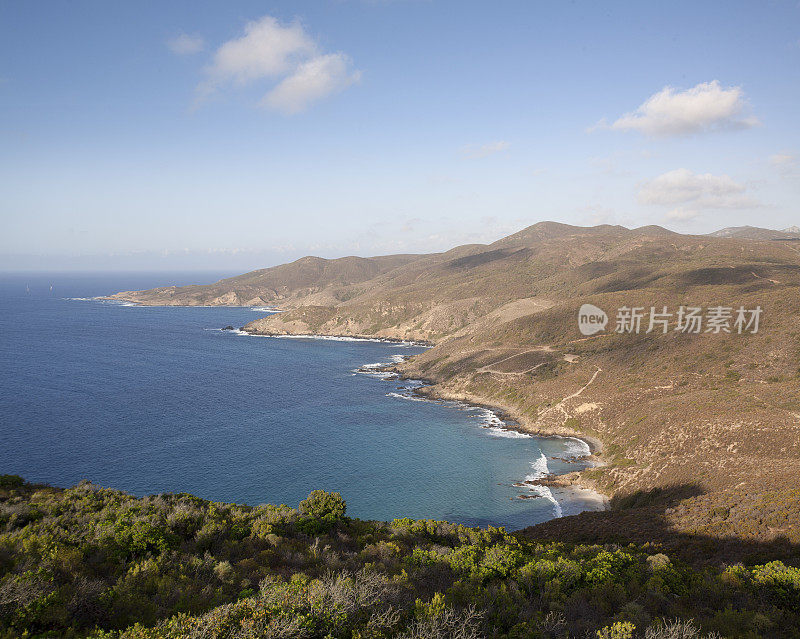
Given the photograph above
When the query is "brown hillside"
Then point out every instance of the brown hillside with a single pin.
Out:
(756, 233)
(300, 278)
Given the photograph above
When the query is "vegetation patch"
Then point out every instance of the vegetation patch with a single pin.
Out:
(93, 562)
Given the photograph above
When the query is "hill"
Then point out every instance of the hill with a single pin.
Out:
(301, 278)
(755, 233)
(711, 417)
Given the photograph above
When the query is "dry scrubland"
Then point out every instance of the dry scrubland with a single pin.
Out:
(698, 435)
(93, 562)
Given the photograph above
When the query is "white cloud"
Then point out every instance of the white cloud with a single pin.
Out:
(701, 109)
(312, 80)
(185, 44)
(699, 191)
(266, 49)
(682, 214)
(473, 152)
(271, 50)
(782, 159)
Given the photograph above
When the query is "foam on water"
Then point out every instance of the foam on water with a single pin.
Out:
(413, 398)
(333, 338)
(575, 447)
(102, 301)
(346, 338)
(540, 470)
(231, 331)
(496, 431)
(496, 427)
(374, 370)
(382, 374)
(265, 309)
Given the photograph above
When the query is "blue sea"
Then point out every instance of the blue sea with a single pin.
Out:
(159, 399)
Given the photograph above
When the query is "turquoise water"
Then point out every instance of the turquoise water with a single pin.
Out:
(158, 399)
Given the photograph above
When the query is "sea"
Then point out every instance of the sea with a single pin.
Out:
(150, 399)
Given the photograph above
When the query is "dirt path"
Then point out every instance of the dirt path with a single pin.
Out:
(560, 405)
(537, 349)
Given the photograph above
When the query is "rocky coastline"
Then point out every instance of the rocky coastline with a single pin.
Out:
(570, 480)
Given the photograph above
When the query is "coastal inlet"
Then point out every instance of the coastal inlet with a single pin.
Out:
(159, 399)
(567, 454)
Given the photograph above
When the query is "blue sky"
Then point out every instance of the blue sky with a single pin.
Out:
(243, 134)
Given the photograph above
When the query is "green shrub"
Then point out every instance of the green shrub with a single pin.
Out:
(98, 562)
(321, 510)
(608, 566)
(11, 481)
(780, 581)
(499, 561)
(140, 537)
(324, 505)
(619, 630)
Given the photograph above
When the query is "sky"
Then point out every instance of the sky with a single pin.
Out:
(238, 135)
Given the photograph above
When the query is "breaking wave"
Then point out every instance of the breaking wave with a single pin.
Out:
(575, 448)
(541, 470)
(377, 368)
(102, 301)
(495, 426)
(496, 431)
(408, 396)
(347, 338)
(232, 331)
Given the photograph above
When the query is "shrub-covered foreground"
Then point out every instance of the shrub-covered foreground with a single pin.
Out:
(89, 561)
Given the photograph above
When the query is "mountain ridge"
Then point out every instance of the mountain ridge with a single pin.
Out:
(289, 283)
(757, 233)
